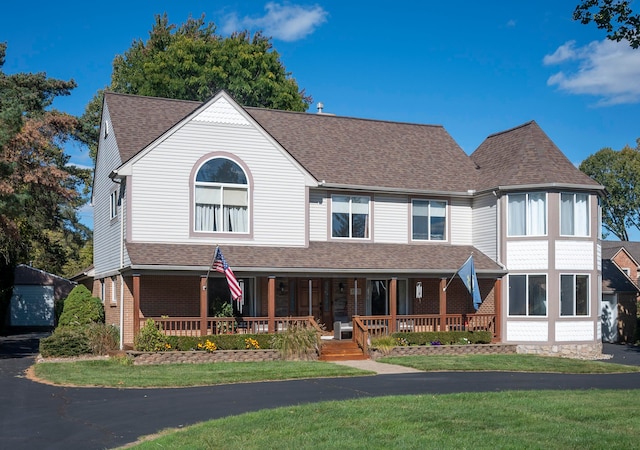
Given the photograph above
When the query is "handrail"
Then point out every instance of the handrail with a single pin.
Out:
(361, 334)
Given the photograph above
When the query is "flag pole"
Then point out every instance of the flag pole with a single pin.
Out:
(215, 252)
(456, 272)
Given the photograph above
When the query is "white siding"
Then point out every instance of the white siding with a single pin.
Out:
(106, 244)
(318, 216)
(485, 232)
(574, 331)
(527, 331)
(527, 255)
(461, 219)
(390, 219)
(574, 255)
(161, 182)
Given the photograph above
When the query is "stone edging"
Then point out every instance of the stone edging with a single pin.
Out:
(470, 349)
(198, 357)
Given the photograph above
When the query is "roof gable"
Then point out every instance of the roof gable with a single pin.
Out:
(525, 155)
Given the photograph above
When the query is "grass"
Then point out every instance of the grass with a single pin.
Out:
(116, 373)
(507, 363)
(506, 420)
(113, 373)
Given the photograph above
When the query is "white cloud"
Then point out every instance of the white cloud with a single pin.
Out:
(284, 22)
(605, 69)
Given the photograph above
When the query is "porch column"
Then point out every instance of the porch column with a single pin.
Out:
(443, 305)
(271, 304)
(203, 305)
(497, 302)
(136, 303)
(393, 303)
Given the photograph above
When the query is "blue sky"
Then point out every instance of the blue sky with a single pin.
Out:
(476, 68)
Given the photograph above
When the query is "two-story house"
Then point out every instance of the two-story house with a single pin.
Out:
(336, 218)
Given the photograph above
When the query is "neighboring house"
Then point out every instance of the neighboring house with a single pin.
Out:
(35, 296)
(620, 292)
(325, 216)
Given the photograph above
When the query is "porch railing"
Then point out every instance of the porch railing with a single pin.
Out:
(366, 327)
(191, 326)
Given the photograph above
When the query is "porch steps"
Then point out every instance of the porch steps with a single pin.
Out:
(346, 350)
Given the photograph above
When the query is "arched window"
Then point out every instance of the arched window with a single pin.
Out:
(221, 197)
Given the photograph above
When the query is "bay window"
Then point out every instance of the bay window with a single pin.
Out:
(428, 220)
(527, 214)
(574, 214)
(350, 216)
(527, 295)
(221, 197)
(574, 295)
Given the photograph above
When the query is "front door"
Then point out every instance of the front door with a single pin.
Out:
(377, 304)
(309, 305)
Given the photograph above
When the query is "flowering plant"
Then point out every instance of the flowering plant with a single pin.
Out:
(208, 346)
(251, 343)
(436, 343)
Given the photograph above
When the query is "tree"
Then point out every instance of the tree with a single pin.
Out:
(192, 62)
(38, 189)
(614, 16)
(619, 173)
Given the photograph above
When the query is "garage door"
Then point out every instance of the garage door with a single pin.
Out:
(32, 306)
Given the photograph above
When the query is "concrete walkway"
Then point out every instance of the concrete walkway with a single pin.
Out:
(377, 367)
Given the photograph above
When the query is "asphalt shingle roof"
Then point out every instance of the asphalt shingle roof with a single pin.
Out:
(332, 256)
(525, 155)
(613, 279)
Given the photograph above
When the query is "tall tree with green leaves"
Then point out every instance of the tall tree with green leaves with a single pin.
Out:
(39, 190)
(614, 16)
(192, 62)
(619, 173)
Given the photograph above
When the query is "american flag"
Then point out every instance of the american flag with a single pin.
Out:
(220, 265)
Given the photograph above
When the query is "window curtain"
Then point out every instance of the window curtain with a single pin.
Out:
(206, 217)
(537, 215)
(517, 215)
(566, 214)
(581, 215)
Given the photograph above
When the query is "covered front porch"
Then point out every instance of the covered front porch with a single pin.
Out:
(367, 306)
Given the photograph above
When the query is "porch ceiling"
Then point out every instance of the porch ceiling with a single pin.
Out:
(317, 257)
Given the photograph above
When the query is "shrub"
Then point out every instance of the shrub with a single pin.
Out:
(445, 337)
(65, 341)
(102, 338)
(80, 308)
(384, 344)
(151, 339)
(222, 341)
(297, 342)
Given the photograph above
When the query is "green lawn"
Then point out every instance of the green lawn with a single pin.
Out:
(510, 363)
(505, 420)
(113, 373)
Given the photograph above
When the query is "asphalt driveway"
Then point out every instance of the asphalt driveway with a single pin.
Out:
(38, 416)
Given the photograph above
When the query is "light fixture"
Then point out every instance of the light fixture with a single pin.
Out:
(341, 286)
(281, 287)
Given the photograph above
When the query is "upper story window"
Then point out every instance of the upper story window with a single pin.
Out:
(574, 214)
(113, 205)
(527, 214)
(350, 216)
(428, 220)
(221, 197)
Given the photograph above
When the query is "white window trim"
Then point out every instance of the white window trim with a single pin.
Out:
(114, 294)
(350, 237)
(113, 204)
(527, 315)
(222, 186)
(102, 290)
(574, 275)
(446, 219)
(574, 216)
(527, 223)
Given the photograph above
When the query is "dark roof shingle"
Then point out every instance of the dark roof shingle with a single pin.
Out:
(522, 156)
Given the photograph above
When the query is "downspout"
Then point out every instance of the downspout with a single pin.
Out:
(118, 179)
(121, 267)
